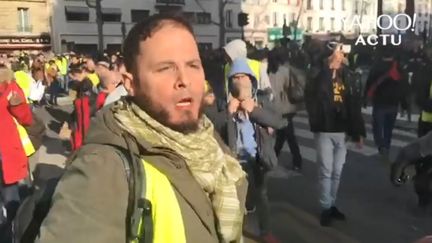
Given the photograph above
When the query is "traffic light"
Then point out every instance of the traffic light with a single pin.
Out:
(243, 19)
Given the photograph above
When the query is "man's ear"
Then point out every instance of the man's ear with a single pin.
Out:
(128, 83)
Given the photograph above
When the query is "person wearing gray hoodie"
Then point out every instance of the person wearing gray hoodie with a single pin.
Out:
(237, 49)
(247, 135)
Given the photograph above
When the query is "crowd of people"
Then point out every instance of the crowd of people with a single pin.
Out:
(173, 145)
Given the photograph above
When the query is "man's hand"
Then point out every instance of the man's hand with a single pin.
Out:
(14, 99)
(270, 130)
(248, 105)
(233, 105)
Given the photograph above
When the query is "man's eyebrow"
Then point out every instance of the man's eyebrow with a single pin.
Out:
(164, 63)
(193, 61)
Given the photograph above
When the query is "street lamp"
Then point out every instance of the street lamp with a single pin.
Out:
(96, 4)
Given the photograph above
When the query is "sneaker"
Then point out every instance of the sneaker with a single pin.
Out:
(269, 238)
(326, 217)
(336, 214)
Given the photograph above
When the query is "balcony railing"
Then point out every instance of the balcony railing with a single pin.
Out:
(25, 28)
(170, 2)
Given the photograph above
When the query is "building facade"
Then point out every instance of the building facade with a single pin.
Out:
(25, 25)
(315, 17)
(75, 28)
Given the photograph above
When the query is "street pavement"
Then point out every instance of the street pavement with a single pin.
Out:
(377, 212)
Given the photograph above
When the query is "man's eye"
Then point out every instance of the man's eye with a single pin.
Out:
(195, 66)
(162, 69)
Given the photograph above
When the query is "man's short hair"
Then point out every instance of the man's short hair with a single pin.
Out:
(143, 30)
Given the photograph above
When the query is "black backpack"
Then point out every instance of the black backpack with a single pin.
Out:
(35, 208)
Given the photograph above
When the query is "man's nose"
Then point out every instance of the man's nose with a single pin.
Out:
(182, 80)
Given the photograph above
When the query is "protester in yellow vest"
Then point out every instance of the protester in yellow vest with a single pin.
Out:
(423, 80)
(237, 49)
(90, 68)
(24, 80)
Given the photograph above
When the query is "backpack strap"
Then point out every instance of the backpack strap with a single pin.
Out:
(139, 213)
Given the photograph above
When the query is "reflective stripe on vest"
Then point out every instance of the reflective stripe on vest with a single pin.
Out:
(24, 82)
(254, 65)
(167, 218)
(25, 140)
(427, 116)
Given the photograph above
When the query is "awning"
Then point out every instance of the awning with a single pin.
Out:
(76, 9)
(111, 11)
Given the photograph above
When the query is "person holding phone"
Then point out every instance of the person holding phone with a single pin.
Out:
(333, 102)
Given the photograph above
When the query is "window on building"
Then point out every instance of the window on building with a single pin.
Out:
(365, 8)
(333, 4)
(205, 46)
(23, 20)
(356, 7)
(343, 5)
(228, 18)
(203, 18)
(275, 22)
(256, 20)
(190, 17)
(275, 1)
(267, 20)
(138, 15)
(321, 3)
(309, 4)
(419, 14)
(343, 24)
(111, 15)
(309, 23)
(332, 22)
(73, 13)
(321, 24)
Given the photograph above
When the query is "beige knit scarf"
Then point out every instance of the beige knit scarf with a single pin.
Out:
(216, 172)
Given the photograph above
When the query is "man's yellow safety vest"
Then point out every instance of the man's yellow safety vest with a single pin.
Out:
(254, 65)
(94, 78)
(24, 82)
(168, 227)
(427, 116)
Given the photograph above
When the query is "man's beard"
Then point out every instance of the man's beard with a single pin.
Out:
(186, 127)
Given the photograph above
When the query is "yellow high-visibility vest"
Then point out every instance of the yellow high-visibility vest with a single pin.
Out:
(254, 65)
(25, 140)
(427, 116)
(94, 78)
(24, 82)
(168, 226)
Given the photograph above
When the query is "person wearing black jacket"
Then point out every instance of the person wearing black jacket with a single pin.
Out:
(423, 164)
(387, 89)
(333, 102)
(84, 105)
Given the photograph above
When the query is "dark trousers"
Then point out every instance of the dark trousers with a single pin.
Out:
(287, 134)
(423, 178)
(54, 92)
(9, 197)
(384, 119)
(257, 194)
